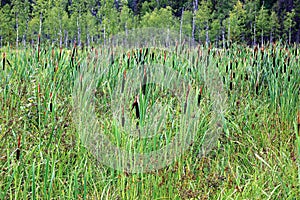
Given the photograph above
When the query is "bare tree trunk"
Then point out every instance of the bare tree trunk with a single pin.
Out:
(104, 36)
(60, 34)
(24, 40)
(17, 30)
(262, 37)
(271, 35)
(223, 36)
(207, 36)
(41, 21)
(134, 2)
(195, 6)
(254, 35)
(290, 34)
(88, 40)
(181, 24)
(228, 40)
(297, 38)
(25, 34)
(66, 39)
(116, 2)
(78, 32)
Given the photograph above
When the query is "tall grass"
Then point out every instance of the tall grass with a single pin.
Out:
(256, 156)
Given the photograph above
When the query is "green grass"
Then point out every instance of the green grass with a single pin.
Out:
(255, 157)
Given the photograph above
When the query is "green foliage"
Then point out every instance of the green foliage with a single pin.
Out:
(236, 22)
(243, 21)
(274, 25)
(126, 19)
(186, 24)
(203, 18)
(263, 25)
(289, 23)
(6, 23)
(159, 18)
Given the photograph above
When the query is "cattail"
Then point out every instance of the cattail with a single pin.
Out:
(231, 81)
(144, 83)
(96, 55)
(123, 117)
(140, 55)
(262, 52)
(52, 53)
(209, 49)
(18, 149)
(112, 61)
(39, 47)
(3, 61)
(56, 68)
(186, 99)
(60, 52)
(165, 56)
(128, 60)
(50, 106)
(39, 88)
(200, 94)
(199, 52)
(80, 80)
(123, 82)
(298, 120)
(256, 87)
(73, 53)
(128, 55)
(136, 106)
(152, 56)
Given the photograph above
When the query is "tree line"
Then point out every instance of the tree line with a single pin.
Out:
(92, 22)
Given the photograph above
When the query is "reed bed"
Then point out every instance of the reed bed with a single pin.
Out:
(255, 156)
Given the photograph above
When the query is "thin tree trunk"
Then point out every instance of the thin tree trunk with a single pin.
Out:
(290, 34)
(254, 35)
(207, 36)
(134, 2)
(223, 36)
(195, 6)
(181, 24)
(104, 36)
(66, 39)
(17, 30)
(41, 21)
(262, 37)
(228, 39)
(78, 33)
(60, 34)
(25, 34)
(298, 36)
(271, 35)
(88, 40)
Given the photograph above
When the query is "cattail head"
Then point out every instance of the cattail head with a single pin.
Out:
(52, 53)
(39, 88)
(298, 118)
